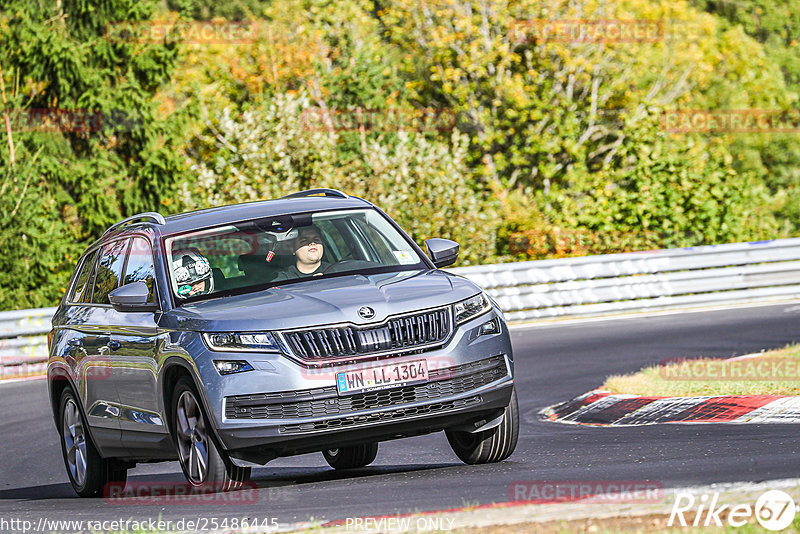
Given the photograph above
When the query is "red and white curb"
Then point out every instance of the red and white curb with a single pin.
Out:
(603, 408)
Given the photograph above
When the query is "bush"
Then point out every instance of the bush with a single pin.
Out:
(281, 147)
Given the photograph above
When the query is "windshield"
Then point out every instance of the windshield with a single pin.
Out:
(273, 251)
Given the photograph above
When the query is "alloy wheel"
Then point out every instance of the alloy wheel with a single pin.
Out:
(193, 439)
(74, 437)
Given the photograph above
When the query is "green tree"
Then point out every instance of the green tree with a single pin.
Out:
(208, 9)
(279, 148)
(776, 157)
(559, 116)
(61, 67)
(665, 195)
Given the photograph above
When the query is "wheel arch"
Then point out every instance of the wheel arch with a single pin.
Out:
(56, 384)
(173, 369)
(58, 379)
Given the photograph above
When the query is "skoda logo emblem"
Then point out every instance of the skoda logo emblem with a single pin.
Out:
(365, 312)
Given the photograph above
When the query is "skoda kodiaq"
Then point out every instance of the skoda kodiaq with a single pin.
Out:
(227, 337)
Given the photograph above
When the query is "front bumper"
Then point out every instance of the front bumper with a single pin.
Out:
(283, 408)
(260, 445)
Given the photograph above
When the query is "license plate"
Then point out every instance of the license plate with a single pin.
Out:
(382, 377)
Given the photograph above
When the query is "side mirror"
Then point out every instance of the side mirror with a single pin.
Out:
(131, 298)
(443, 252)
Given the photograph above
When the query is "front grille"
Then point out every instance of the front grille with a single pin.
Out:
(325, 401)
(381, 417)
(414, 331)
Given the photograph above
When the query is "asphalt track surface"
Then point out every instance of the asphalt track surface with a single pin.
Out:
(553, 364)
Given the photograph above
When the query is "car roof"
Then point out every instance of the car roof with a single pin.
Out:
(221, 215)
(205, 218)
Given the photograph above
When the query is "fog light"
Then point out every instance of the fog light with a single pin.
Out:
(227, 367)
(490, 327)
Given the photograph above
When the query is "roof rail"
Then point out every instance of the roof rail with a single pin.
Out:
(151, 216)
(312, 192)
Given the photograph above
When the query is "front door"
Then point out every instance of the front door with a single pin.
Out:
(135, 340)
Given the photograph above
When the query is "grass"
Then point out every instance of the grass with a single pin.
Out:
(775, 372)
(632, 524)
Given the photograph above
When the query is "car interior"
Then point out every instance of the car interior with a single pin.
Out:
(238, 255)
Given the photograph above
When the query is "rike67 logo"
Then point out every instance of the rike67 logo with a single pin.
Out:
(774, 510)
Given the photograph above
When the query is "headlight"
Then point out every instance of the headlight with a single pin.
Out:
(472, 307)
(228, 367)
(260, 342)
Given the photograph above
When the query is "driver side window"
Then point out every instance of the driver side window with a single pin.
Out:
(109, 270)
(140, 267)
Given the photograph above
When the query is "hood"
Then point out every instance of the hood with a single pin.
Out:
(320, 302)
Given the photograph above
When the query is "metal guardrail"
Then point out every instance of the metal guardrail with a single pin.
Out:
(569, 287)
(23, 341)
(643, 281)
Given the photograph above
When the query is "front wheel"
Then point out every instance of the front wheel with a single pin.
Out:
(493, 445)
(204, 464)
(88, 472)
(351, 457)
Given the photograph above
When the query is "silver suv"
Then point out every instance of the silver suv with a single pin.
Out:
(227, 337)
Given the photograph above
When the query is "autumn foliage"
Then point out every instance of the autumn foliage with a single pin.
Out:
(523, 129)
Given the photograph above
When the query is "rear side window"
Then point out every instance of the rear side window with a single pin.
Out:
(140, 267)
(81, 285)
(109, 270)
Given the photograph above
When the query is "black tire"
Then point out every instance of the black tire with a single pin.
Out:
(196, 444)
(87, 471)
(351, 457)
(491, 446)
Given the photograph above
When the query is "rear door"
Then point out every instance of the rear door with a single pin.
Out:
(83, 339)
(95, 368)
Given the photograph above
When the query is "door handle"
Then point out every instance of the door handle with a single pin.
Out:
(75, 342)
(113, 344)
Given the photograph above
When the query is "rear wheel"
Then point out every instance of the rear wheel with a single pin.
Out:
(493, 445)
(203, 462)
(88, 472)
(351, 457)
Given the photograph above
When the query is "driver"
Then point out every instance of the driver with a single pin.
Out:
(308, 250)
(192, 273)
